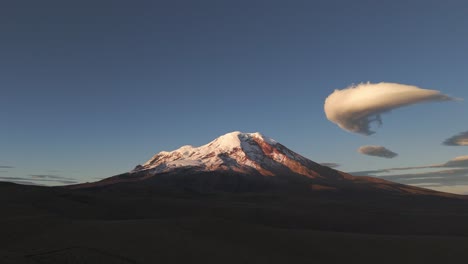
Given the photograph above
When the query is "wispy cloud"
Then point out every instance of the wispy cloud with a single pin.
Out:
(330, 164)
(440, 177)
(51, 178)
(24, 182)
(454, 180)
(370, 172)
(457, 162)
(356, 107)
(33, 179)
(377, 151)
(450, 173)
(457, 140)
(48, 176)
(6, 167)
(460, 161)
(12, 178)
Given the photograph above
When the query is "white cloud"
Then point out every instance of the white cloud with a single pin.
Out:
(457, 140)
(377, 151)
(356, 107)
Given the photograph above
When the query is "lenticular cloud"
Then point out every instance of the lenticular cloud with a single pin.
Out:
(356, 107)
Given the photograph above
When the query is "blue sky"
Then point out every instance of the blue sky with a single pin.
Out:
(89, 89)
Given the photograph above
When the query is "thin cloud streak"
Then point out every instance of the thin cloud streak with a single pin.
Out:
(330, 164)
(13, 178)
(457, 162)
(451, 173)
(441, 177)
(48, 176)
(26, 182)
(356, 107)
(37, 180)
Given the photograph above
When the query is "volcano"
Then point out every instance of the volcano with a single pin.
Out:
(244, 162)
(241, 198)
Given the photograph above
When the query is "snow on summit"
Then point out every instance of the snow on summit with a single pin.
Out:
(223, 143)
(235, 151)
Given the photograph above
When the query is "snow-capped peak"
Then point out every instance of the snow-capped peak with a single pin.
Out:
(234, 140)
(235, 151)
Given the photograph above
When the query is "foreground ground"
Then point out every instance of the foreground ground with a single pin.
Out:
(44, 225)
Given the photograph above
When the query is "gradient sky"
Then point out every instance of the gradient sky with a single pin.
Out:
(90, 89)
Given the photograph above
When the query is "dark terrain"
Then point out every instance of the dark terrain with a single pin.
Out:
(133, 224)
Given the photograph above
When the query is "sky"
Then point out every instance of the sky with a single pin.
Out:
(90, 89)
